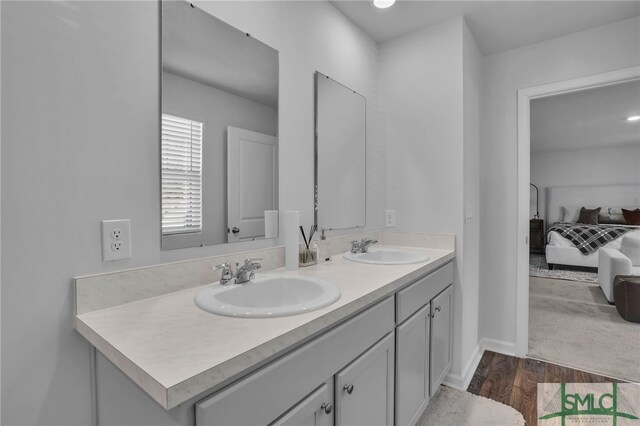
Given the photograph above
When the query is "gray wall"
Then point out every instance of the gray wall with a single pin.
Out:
(217, 110)
(80, 143)
(590, 166)
(428, 83)
(471, 83)
(80, 113)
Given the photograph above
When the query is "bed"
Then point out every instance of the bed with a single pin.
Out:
(562, 206)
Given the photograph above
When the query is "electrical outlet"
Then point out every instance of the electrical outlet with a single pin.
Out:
(116, 239)
(390, 218)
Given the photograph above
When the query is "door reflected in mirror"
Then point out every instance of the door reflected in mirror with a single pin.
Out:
(340, 175)
(219, 127)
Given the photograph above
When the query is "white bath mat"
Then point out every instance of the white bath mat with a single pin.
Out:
(451, 407)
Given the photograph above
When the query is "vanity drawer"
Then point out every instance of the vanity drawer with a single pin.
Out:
(266, 394)
(419, 293)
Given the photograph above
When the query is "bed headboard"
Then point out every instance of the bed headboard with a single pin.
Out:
(589, 196)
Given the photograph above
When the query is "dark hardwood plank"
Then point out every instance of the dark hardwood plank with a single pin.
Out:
(524, 394)
(476, 384)
(532, 365)
(585, 377)
(499, 380)
(514, 381)
(485, 363)
(558, 374)
(481, 371)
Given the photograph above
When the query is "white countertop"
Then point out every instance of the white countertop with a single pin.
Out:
(174, 350)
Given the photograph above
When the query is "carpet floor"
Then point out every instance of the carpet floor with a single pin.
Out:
(538, 268)
(451, 407)
(571, 323)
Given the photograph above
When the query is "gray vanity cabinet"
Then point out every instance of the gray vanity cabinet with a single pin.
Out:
(363, 393)
(378, 367)
(441, 322)
(364, 389)
(412, 367)
(298, 388)
(423, 342)
(314, 410)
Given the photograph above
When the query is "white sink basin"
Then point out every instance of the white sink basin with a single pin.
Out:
(268, 296)
(388, 257)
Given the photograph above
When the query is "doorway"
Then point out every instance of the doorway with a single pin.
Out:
(525, 96)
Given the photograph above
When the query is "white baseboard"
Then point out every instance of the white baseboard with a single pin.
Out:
(461, 381)
(500, 346)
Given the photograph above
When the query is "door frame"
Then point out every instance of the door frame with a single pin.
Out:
(524, 175)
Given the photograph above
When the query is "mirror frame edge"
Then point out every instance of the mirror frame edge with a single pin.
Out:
(317, 75)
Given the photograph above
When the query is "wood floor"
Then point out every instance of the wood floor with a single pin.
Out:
(513, 381)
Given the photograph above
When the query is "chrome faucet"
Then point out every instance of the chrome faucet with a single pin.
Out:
(227, 273)
(362, 246)
(246, 272)
(243, 273)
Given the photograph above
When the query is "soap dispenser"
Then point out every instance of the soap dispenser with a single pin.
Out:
(322, 250)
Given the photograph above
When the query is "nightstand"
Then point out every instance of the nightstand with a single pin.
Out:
(536, 236)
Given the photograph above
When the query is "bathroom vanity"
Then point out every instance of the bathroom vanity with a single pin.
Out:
(375, 356)
(160, 356)
(401, 344)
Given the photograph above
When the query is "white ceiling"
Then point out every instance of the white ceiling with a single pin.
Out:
(496, 25)
(592, 118)
(200, 47)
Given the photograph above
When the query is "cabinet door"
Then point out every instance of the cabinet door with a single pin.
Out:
(315, 410)
(412, 367)
(364, 388)
(441, 321)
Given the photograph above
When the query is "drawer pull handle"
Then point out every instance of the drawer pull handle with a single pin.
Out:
(326, 407)
(348, 388)
(438, 309)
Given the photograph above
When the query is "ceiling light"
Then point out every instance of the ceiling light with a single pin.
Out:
(633, 118)
(383, 4)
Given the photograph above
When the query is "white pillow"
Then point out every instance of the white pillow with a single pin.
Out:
(570, 214)
(630, 247)
(617, 210)
(611, 211)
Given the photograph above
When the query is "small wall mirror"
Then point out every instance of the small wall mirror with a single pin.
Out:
(340, 156)
(219, 127)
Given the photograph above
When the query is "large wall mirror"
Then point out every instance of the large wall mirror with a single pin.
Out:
(219, 127)
(340, 175)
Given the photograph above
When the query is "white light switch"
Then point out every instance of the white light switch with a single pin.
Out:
(116, 239)
(468, 215)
